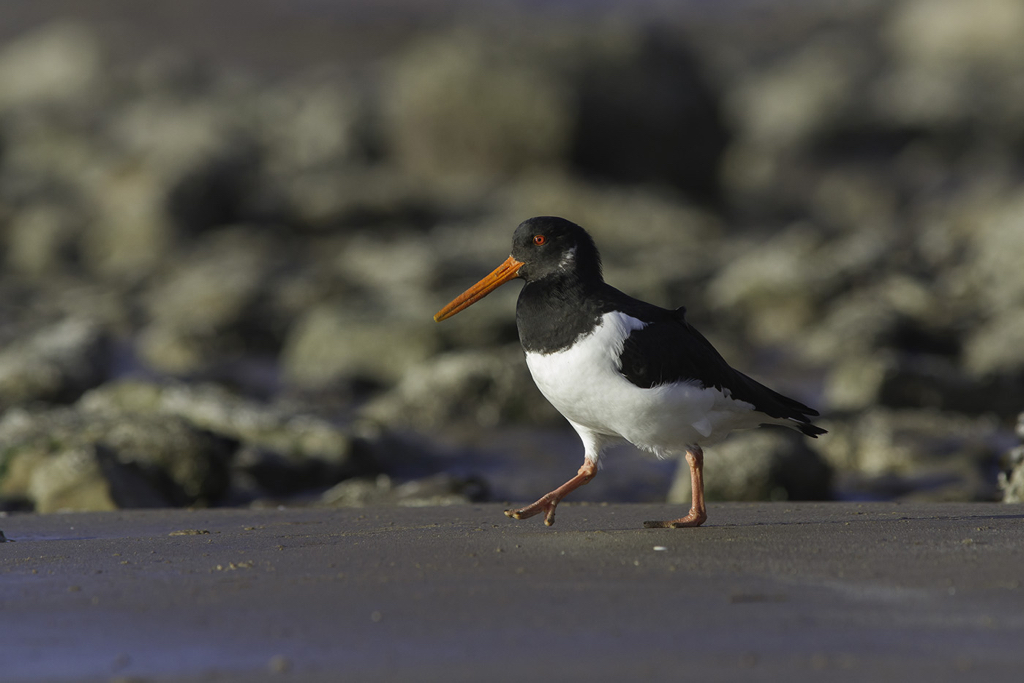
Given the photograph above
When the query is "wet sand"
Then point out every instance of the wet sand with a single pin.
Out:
(809, 591)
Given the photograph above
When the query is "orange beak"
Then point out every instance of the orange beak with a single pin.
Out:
(509, 270)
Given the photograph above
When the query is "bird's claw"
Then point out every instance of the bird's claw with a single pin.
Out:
(547, 507)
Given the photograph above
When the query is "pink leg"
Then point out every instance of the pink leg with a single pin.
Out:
(548, 503)
(698, 514)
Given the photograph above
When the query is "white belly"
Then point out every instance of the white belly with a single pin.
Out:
(584, 384)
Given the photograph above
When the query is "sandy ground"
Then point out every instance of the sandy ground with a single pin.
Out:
(812, 591)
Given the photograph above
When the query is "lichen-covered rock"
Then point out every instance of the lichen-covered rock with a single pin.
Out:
(90, 477)
(290, 433)
(477, 389)
(57, 363)
(1011, 475)
(69, 458)
(764, 464)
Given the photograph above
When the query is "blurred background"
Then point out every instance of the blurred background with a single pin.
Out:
(224, 229)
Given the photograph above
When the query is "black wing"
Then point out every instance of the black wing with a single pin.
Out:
(669, 349)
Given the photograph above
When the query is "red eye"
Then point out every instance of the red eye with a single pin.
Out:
(539, 239)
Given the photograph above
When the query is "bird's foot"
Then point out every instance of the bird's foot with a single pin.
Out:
(695, 518)
(549, 502)
(545, 505)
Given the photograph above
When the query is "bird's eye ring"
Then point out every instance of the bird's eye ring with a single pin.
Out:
(539, 239)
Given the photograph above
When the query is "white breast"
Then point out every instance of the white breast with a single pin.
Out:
(584, 383)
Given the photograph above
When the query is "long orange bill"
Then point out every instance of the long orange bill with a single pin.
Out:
(509, 270)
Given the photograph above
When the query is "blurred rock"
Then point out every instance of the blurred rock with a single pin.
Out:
(131, 232)
(328, 344)
(310, 122)
(58, 63)
(469, 105)
(644, 114)
(475, 107)
(762, 464)
(896, 312)
(440, 489)
(42, 240)
(208, 304)
(996, 348)
(922, 380)
(89, 477)
(773, 286)
(64, 458)
(56, 363)
(787, 108)
(953, 64)
(284, 449)
(479, 389)
(941, 455)
(986, 231)
(790, 102)
(1011, 475)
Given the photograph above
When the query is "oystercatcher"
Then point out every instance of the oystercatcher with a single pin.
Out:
(619, 369)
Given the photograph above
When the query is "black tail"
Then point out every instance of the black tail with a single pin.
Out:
(809, 429)
(774, 404)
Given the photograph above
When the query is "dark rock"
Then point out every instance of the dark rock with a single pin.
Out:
(224, 189)
(763, 464)
(645, 115)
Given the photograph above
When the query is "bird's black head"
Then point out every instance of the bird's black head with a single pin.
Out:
(542, 247)
(547, 245)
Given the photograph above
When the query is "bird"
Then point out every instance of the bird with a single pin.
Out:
(620, 369)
